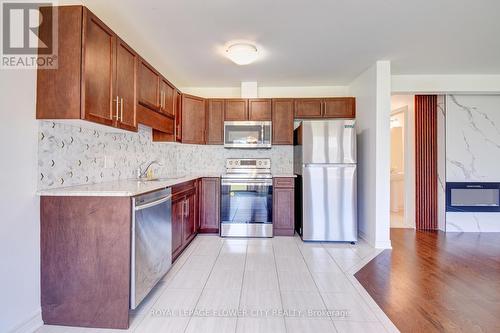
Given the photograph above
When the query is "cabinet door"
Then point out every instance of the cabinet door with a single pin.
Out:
(99, 104)
(283, 122)
(308, 108)
(283, 211)
(259, 109)
(177, 225)
(209, 205)
(193, 119)
(342, 107)
(215, 122)
(178, 115)
(126, 80)
(189, 217)
(236, 109)
(166, 98)
(148, 86)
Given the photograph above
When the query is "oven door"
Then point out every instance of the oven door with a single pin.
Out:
(247, 134)
(246, 207)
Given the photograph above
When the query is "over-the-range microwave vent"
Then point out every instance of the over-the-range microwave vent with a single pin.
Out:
(247, 134)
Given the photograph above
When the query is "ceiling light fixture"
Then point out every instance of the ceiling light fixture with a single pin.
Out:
(242, 53)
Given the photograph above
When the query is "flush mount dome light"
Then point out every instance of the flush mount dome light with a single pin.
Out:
(242, 53)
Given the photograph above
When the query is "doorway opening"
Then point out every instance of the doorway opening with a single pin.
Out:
(398, 128)
(402, 173)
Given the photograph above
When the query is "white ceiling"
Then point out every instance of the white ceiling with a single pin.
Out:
(308, 42)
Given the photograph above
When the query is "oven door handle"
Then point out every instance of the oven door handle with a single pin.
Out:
(263, 182)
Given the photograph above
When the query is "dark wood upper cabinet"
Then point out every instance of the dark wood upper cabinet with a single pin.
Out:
(149, 81)
(167, 92)
(342, 107)
(178, 115)
(193, 119)
(282, 120)
(308, 108)
(236, 109)
(100, 104)
(209, 196)
(334, 107)
(126, 82)
(96, 75)
(259, 109)
(215, 122)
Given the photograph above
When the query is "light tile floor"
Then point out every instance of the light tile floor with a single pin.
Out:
(259, 285)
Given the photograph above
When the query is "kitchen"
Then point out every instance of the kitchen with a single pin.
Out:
(188, 166)
(197, 166)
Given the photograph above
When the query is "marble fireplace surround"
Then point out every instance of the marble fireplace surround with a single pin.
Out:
(472, 153)
(72, 155)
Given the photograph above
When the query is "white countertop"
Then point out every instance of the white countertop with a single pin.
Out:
(125, 188)
(120, 188)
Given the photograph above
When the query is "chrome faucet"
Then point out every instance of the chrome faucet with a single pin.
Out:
(142, 174)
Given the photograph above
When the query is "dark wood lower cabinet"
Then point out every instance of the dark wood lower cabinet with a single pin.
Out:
(85, 261)
(209, 205)
(177, 225)
(283, 206)
(184, 216)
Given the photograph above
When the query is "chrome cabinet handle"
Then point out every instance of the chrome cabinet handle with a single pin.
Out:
(121, 109)
(117, 101)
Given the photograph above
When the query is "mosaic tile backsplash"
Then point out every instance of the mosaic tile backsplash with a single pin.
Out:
(72, 155)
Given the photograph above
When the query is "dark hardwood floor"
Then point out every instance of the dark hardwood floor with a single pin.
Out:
(437, 282)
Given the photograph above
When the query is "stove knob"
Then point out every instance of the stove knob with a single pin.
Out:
(260, 162)
(230, 162)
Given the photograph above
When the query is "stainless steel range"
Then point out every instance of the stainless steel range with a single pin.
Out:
(247, 198)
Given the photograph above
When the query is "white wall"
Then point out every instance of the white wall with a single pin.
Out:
(443, 84)
(20, 231)
(372, 90)
(268, 92)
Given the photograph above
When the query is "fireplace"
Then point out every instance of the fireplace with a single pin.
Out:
(472, 197)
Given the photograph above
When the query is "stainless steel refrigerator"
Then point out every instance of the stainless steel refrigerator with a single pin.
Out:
(325, 163)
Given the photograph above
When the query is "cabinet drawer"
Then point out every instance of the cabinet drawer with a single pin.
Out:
(287, 182)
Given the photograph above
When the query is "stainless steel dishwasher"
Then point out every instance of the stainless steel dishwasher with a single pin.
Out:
(151, 252)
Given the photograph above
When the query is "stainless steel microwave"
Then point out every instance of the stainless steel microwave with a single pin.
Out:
(247, 134)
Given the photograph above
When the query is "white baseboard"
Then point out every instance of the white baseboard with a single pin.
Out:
(386, 245)
(29, 325)
(378, 245)
(362, 235)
